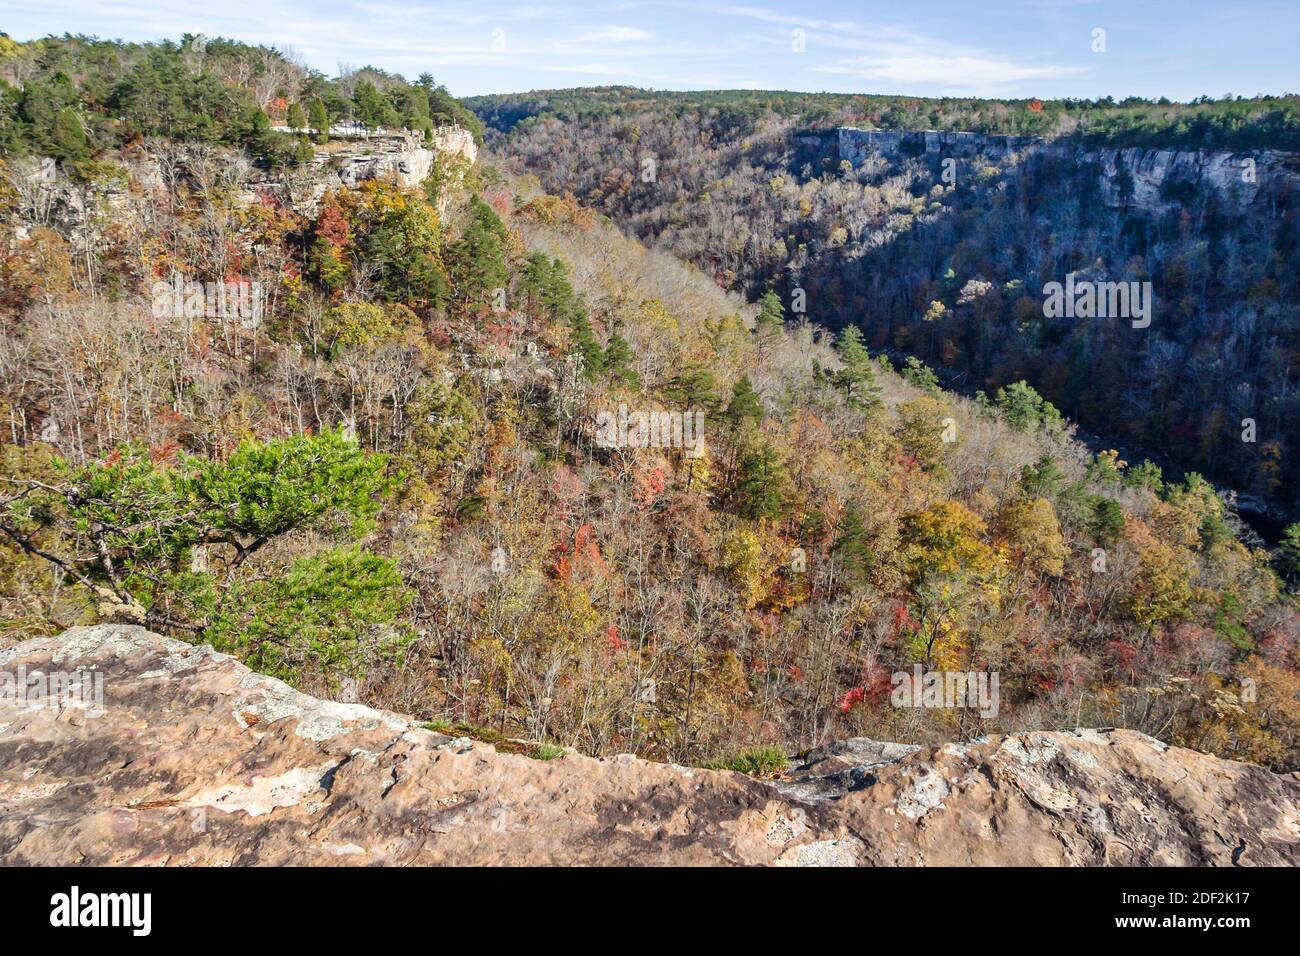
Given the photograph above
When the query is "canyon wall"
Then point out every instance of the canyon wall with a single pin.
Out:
(74, 208)
(1159, 176)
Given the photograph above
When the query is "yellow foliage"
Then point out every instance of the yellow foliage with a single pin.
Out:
(749, 563)
(1161, 590)
(946, 539)
(920, 430)
(1031, 529)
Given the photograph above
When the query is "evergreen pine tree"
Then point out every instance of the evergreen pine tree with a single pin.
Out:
(857, 376)
(771, 315)
(69, 137)
(852, 546)
(758, 488)
(320, 120)
(618, 362)
(477, 261)
(744, 407)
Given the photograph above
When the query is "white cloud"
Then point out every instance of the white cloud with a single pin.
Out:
(958, 74)
(613, 35)
(892, 57)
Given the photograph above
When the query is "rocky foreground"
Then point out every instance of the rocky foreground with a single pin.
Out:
(195, 760)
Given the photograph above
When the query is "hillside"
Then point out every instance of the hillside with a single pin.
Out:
(412, 430)
(209, 764)
(940, 244)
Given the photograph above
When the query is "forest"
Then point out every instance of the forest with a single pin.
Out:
(72, 97)
(950, 267)
(1228, 122)
(389, 488)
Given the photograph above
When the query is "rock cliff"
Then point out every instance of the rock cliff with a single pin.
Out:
(52, 197)
(190, 758)
(1159, 176)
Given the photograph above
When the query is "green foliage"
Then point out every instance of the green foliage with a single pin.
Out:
(921, 375)
(756, 761)
(1024, 409)
(335, 613)
(853, 547)
(771, 314)
(618, 361)
(67, 136)
(403, 243)
(1267, 122)
(545, 285)
(371, 108)
(1288, 553)
(584, 345)
(128, 528)
(745, 408)
(1229, 621)
(857, 377)
(266, 489)
(694, 388)
(758, 487)
(938, 554)
(319, 119)
(161, 95)
(477, 260)
(443, 422)
(137, 511)
(1107, 523)
(1043, 479)
(78, 95)
(1146, 475)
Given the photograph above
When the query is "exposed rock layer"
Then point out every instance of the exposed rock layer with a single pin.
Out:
(193, 759)
(1157, 174)
(58, 200)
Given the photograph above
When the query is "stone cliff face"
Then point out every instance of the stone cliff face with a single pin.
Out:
(193, 759)
(401, 157)
(1157, 174)
(54, 199)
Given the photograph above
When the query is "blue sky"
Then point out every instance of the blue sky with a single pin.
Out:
(931, 47)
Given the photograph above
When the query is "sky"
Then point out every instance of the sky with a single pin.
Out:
(1001, 48)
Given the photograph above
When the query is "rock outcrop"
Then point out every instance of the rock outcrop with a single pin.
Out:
(190, 758)
(52, 197)
(1159, 177)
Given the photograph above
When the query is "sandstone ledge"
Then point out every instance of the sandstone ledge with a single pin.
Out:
(195, 760)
